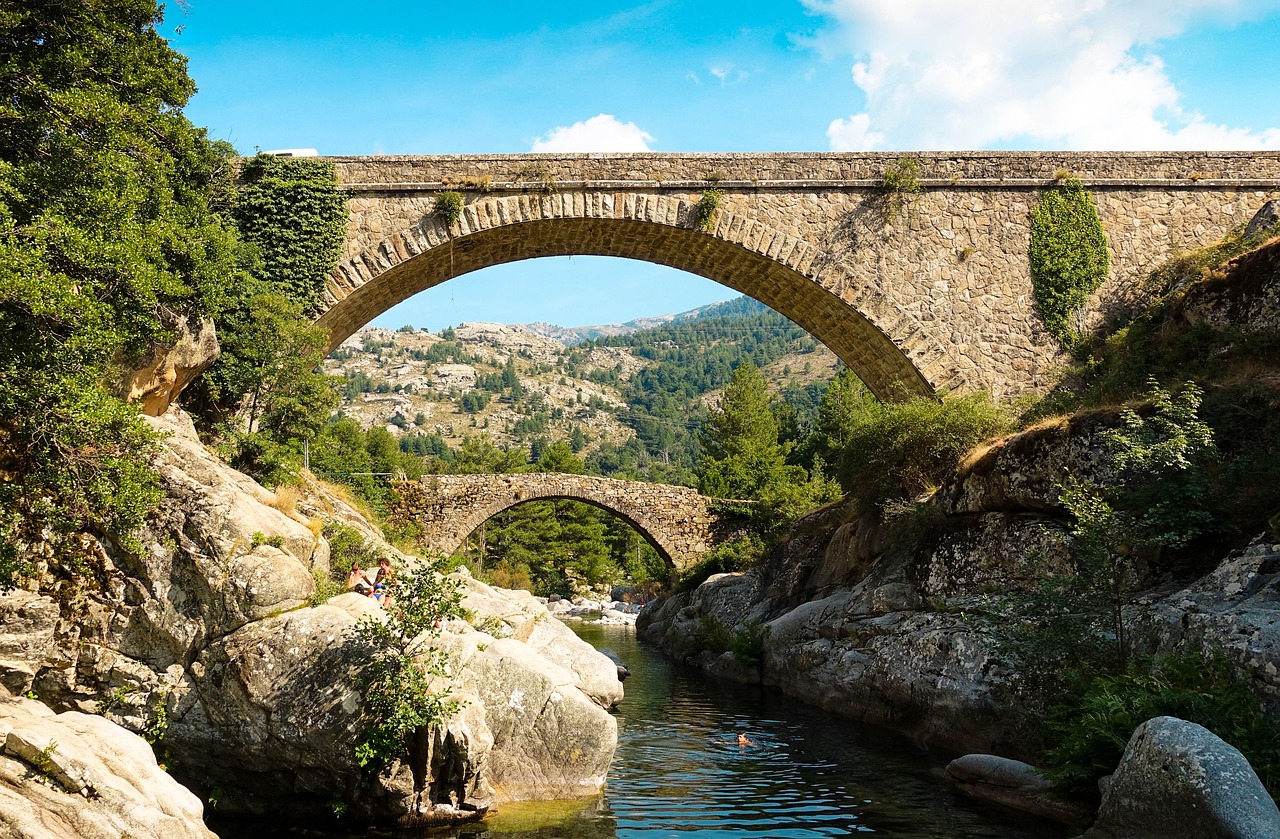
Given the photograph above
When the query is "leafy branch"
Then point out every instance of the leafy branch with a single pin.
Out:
(399, 691)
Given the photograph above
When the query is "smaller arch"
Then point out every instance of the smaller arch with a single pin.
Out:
(676, 521)
(661, 546)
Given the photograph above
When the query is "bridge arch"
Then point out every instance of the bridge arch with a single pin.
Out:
(745, 253)
(676, 521)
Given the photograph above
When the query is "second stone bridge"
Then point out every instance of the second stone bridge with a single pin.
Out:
(680, 523)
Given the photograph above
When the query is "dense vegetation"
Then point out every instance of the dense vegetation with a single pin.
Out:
(1197, 468)
(1069, 257)
(687, 360)
(266, 394)
(114, 224)
(120, 221)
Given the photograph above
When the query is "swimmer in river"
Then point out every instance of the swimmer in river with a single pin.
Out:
(743, 740)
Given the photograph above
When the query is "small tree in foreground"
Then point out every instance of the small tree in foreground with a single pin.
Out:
(1073, 628)
(400, 662)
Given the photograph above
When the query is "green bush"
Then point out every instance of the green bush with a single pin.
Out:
(1092, 730)
(896, 451)
(327, 585)
(900, 186)
(748, 641)
(703, 214)
(347, 546)
(398, 670)
(713, 635)
(448, 208)
(1068, 253)
(737, 554)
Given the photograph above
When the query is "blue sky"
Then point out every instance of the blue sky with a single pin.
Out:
(710, 75)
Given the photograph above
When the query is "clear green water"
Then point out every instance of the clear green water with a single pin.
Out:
(679, 772)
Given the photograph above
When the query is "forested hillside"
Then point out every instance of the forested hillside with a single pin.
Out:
(492, 398)
(630, 405)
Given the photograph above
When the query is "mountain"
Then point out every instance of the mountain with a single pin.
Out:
(630, 400)
(571, 335)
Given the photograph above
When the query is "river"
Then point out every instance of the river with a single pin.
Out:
(679, 772)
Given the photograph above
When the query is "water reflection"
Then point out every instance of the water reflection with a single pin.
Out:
(680, 772)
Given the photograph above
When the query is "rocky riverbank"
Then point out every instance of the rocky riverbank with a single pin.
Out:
(881, 630)
(873, 616)
(610, 612)
(210, 640)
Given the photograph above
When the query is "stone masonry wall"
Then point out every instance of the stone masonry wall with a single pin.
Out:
(676, 520)
(937, 297)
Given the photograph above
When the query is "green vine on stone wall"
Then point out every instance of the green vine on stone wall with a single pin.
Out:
(448, 208)
(293, 210)
(703, 214)
(1069, 258)
(901, 186)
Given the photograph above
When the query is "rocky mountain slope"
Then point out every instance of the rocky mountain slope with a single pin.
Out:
(459, 382)
(453, 384)
(570, 335)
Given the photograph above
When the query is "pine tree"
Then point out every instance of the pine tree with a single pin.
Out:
(741, 452)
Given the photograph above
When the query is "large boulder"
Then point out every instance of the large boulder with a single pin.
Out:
(1244, 296)
(1178, 779)
(155, 384)
(1231, 610)
(1014, 784)
(28, 622)
(77, 776)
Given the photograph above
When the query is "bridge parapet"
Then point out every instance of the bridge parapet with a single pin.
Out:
(678, 521)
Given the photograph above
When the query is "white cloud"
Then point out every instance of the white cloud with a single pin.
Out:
(728, 74)
(601, 133)
(1080, 74)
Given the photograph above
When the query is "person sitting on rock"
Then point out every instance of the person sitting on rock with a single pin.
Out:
(358, 581)
(382, 582)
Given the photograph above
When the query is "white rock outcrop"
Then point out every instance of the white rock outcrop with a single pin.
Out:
(78, 776)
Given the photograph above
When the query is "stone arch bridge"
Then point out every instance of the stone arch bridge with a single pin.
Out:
(679, 523)
(915, 292)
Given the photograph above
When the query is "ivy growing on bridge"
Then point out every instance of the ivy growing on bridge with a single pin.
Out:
(448, 208)
(703, 214)
(293, 210)
(1069, 258)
